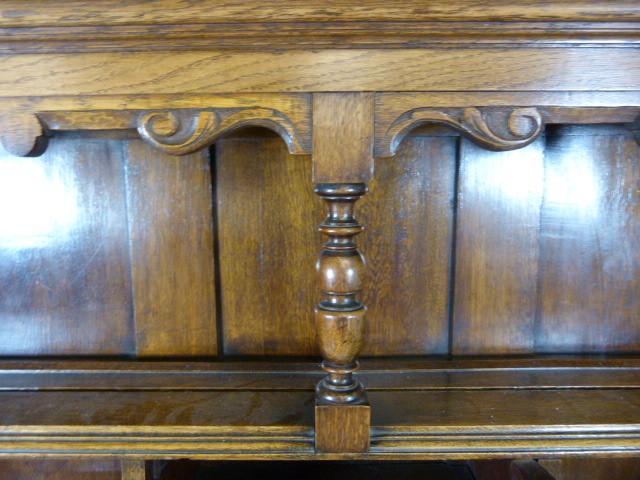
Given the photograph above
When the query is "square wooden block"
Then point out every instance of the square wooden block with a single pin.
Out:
(343, 429)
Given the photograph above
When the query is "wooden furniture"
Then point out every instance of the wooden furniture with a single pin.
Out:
(167, 164)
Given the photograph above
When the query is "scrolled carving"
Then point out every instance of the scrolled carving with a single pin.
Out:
(180, 132)
(493, 128)
(22, 134)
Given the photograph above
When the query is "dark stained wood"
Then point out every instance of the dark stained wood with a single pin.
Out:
(267, 214)
(133, 469)
(55, 469)
(342, 429)
(491, 469)
(342, 137)
(64, 281)
(409, 216)
(317, 470)
(590, 243)
(524, 374)
(411, 282)
(498, 221)
(529, 470)
(340, 315)
(584, 468)
(170, 222)
(278, 424)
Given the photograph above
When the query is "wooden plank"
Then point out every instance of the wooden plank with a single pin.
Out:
(467, 375)
(586, 468)
(408, 216)
(497, 250)
(529, 469)
(108, 12)
(267, 216)
(59, 469)
(342, 428)
(342, 137)
(133, 469)
(170, 221)
(590, 247)
(419, 425)
(464, 69)
(64, 281)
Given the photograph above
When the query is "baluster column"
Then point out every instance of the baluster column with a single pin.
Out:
(340, 313)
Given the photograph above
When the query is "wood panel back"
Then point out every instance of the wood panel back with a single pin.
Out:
(499, 197)
(268, 243)
(408, 217)
(547, 249)
(589, 276)
(172, 249)
(55, 469)
(64, 268)
(268, 219)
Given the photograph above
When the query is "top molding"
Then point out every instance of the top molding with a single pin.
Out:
(101, 25)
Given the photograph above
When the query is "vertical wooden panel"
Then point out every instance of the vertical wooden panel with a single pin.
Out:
(268, 244)
(64, 281)
(171, 229)
(54, 469)
(408, 216)
(268, 216)
(497, 249)
(590, 243)
(342, 137)
(133, 469)
(584, 468)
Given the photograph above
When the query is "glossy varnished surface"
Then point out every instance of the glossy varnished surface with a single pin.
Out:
(64, 279)
(172, 266)
(589, 274)
(553, 265)
(267, 215)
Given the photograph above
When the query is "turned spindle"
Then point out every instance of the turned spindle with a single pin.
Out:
(340, 313)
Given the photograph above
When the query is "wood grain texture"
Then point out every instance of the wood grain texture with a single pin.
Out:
(586, 468)
(529, 469)
(498, 219)
(55, 469)
(409, 217)
(267, 215)
(342, 429)
(342, 137)
(589, 263)
(64, 278)
(109, 12)
(411, 193)
(171, 231)
(377, 374)
(278, 424)
(464, 69)
(133, 469)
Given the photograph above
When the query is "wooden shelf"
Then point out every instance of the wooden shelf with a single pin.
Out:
(420, 410)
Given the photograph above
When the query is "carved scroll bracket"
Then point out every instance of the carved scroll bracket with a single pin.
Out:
(495, 128)
(22, 134)
(184, 131)
(177, 125)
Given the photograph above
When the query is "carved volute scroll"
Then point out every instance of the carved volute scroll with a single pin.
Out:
(340, 314)
(184, 131)
(22, 134)
(493, 128)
